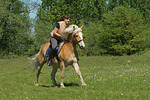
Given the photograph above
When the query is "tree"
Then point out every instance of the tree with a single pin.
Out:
(15, 27)
(52, 10)
(81, 11)
(123, 32)
(142, 5)
(92, 13)
(91, 33)
(43, 30)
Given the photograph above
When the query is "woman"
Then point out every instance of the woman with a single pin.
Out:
(56, 37)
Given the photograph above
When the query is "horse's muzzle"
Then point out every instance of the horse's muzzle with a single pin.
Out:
(82, 47)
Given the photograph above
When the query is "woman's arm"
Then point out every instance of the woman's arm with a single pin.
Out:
(55, 33)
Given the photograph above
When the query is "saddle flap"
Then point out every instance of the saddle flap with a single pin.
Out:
(59, 47)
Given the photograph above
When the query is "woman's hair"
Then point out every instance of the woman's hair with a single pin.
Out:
(65, 17)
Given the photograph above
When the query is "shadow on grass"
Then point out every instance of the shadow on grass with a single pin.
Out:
(66, 85)
(71, 84)
(45, 86)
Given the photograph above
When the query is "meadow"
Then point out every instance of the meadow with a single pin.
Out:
(107, 78)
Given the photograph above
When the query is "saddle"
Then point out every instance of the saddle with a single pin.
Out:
(55, 52)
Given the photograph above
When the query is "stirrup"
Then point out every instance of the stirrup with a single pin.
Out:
(50, 57)
(49, 62)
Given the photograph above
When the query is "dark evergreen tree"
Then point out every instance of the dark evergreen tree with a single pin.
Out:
(123, 32)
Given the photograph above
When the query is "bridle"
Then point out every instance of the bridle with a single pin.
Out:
(79, 41)
(76, 39)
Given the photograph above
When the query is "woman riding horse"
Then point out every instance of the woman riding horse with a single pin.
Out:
(56, 36)
(68, 55)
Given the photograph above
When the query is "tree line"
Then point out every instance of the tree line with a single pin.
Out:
(111, 27)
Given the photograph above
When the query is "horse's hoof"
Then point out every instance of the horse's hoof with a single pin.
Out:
(36, 84)
(83, 84)
(62, 86)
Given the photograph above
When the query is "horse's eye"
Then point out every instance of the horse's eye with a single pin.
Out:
(76, 35)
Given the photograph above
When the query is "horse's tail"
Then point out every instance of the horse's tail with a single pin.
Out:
(39, 59)
(34, 64)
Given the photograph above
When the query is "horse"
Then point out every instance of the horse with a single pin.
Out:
(68, 55)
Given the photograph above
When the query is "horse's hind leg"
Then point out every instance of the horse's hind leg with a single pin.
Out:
(54, 70)
(62, 67)
(38, 73)
(76, 67)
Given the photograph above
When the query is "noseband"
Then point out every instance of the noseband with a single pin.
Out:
(76, 39)
(79, 41)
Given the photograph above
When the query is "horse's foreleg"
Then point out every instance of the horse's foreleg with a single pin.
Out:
(76, 67)
(53, 76)
(62, 67)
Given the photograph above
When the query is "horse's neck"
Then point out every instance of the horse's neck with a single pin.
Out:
(71, 45)
(70, 38)
(71, 41)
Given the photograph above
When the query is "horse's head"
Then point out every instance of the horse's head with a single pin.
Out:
(78, 36)
(75, 34)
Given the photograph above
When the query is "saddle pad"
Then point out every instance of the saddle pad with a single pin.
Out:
(58, 48)
(47, 52)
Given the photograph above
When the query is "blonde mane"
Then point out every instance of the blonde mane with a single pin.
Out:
(71, 29)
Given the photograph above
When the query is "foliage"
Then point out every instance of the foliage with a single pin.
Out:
(91, 34)
(123, 32)
(147, 36)
(94, 13)
(15, 27)
(81, 11)
(142, 5)
(43, 30)
(16, 37)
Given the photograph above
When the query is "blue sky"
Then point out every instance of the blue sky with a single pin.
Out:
(33, 14)
(33, 11)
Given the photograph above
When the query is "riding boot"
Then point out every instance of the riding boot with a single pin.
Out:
(51, 56)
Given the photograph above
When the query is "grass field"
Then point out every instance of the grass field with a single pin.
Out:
(107, 78)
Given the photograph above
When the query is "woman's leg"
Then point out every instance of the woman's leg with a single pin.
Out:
(53, 45)
(53, 42)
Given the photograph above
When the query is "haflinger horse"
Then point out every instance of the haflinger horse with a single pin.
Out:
(67, 56)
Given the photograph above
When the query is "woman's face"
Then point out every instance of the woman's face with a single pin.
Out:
(67, 20)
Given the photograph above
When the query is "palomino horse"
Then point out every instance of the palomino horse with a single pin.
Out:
(67, 56)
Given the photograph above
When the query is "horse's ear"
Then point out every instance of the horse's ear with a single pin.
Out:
(81, 26)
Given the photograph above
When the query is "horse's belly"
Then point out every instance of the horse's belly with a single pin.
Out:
(68, 62)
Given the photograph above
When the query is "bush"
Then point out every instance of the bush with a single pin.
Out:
(123, 32)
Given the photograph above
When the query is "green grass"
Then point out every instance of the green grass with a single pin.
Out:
(107, 78)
